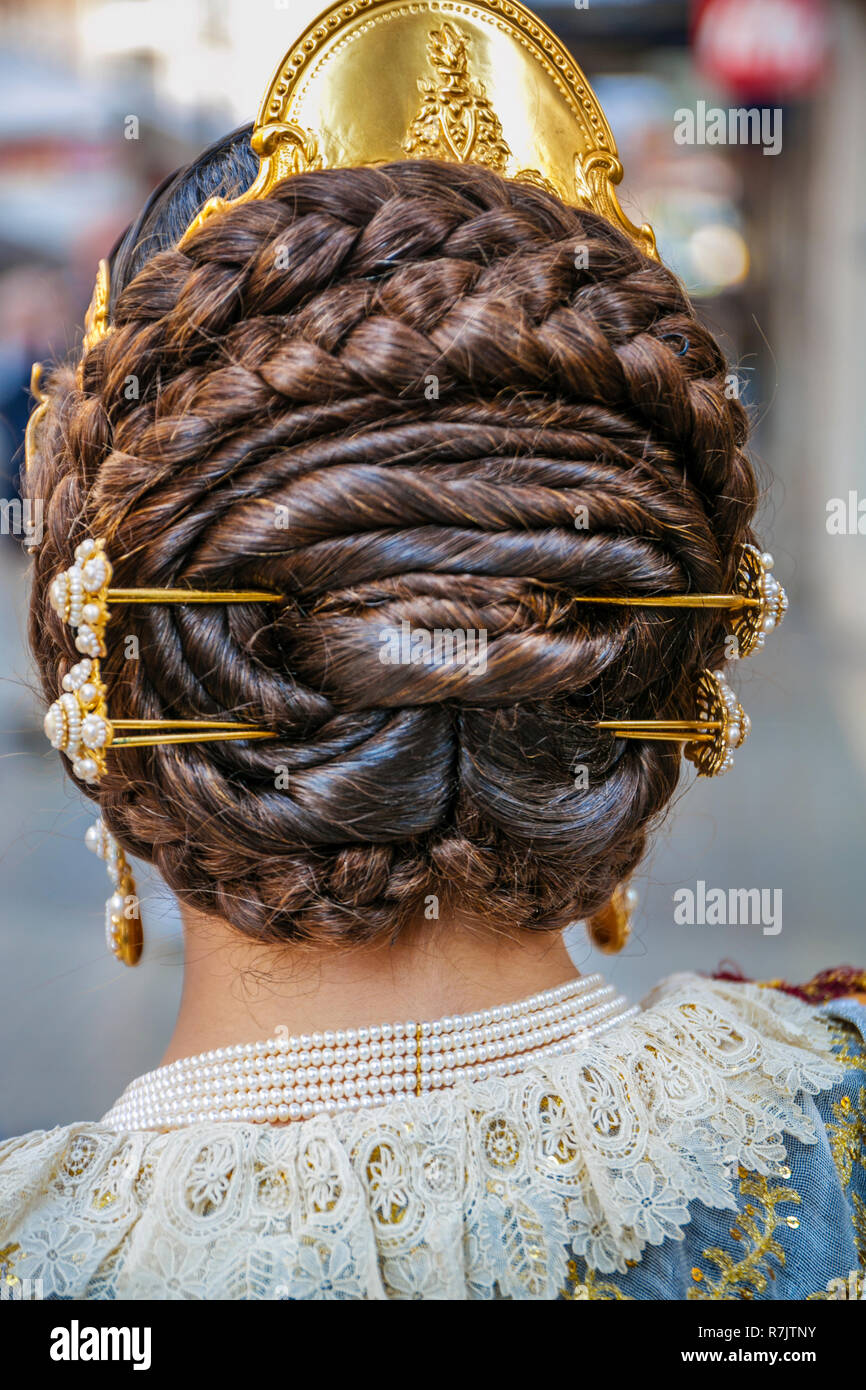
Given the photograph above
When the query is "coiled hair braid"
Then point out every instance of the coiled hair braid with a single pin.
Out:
(412, 365)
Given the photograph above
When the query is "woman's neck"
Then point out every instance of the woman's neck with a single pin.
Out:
(236, 990)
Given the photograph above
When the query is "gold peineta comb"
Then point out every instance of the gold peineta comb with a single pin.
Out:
(380, 81)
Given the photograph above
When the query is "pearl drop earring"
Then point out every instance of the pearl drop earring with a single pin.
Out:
(124, 936)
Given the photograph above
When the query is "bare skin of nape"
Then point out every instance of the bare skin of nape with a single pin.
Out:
(236, 990)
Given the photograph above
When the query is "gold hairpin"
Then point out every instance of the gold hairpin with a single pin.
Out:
(81, 594)
(758, 605)
(78, 725)
(721, 727)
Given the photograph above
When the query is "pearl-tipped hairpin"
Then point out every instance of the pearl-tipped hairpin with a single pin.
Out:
(757, 607)
(124, 934)
(80, 596)
(710, 740)
(78, 723)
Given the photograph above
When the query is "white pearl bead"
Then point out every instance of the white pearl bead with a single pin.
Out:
(256, 1082)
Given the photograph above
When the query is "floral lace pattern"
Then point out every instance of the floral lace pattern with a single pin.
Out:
(485, 1191)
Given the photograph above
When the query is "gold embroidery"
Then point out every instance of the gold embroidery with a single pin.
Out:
(847, 1135)
(456, 120)
(745, 1277)
(848, 1046)
(591, 1288)
(859, 1219)
(6, 1263)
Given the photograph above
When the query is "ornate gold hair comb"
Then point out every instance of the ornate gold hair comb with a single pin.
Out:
(378, 81)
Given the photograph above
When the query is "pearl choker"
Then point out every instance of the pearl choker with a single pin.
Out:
(295, 1078)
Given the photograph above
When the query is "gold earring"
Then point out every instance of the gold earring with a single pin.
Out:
(124, 934)
(610, 927)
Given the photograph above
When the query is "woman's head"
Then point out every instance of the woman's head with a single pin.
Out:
(416, 400)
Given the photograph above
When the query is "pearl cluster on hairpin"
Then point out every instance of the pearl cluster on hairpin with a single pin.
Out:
(78, 597)
(756, 581)
(717, 702)
(77, 723)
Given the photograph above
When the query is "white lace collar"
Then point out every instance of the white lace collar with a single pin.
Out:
(597, 1154)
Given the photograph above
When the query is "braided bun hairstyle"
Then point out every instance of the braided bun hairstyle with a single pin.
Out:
(417, 394)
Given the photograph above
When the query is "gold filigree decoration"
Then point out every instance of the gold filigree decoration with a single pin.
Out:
(536, 180)
(284, 149)
(456, 120)
(96, 323)
(596, 178)
(756, 1229)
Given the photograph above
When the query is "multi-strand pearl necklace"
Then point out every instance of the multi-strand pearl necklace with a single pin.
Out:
(295, 1078)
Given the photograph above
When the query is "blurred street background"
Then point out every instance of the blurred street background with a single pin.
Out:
(773, 245)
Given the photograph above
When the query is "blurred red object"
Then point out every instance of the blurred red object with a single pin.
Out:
(841, 982)
(772, 49)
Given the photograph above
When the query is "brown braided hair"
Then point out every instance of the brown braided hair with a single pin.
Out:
(286, 364)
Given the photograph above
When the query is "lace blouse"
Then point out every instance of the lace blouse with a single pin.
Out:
(712, 1147)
